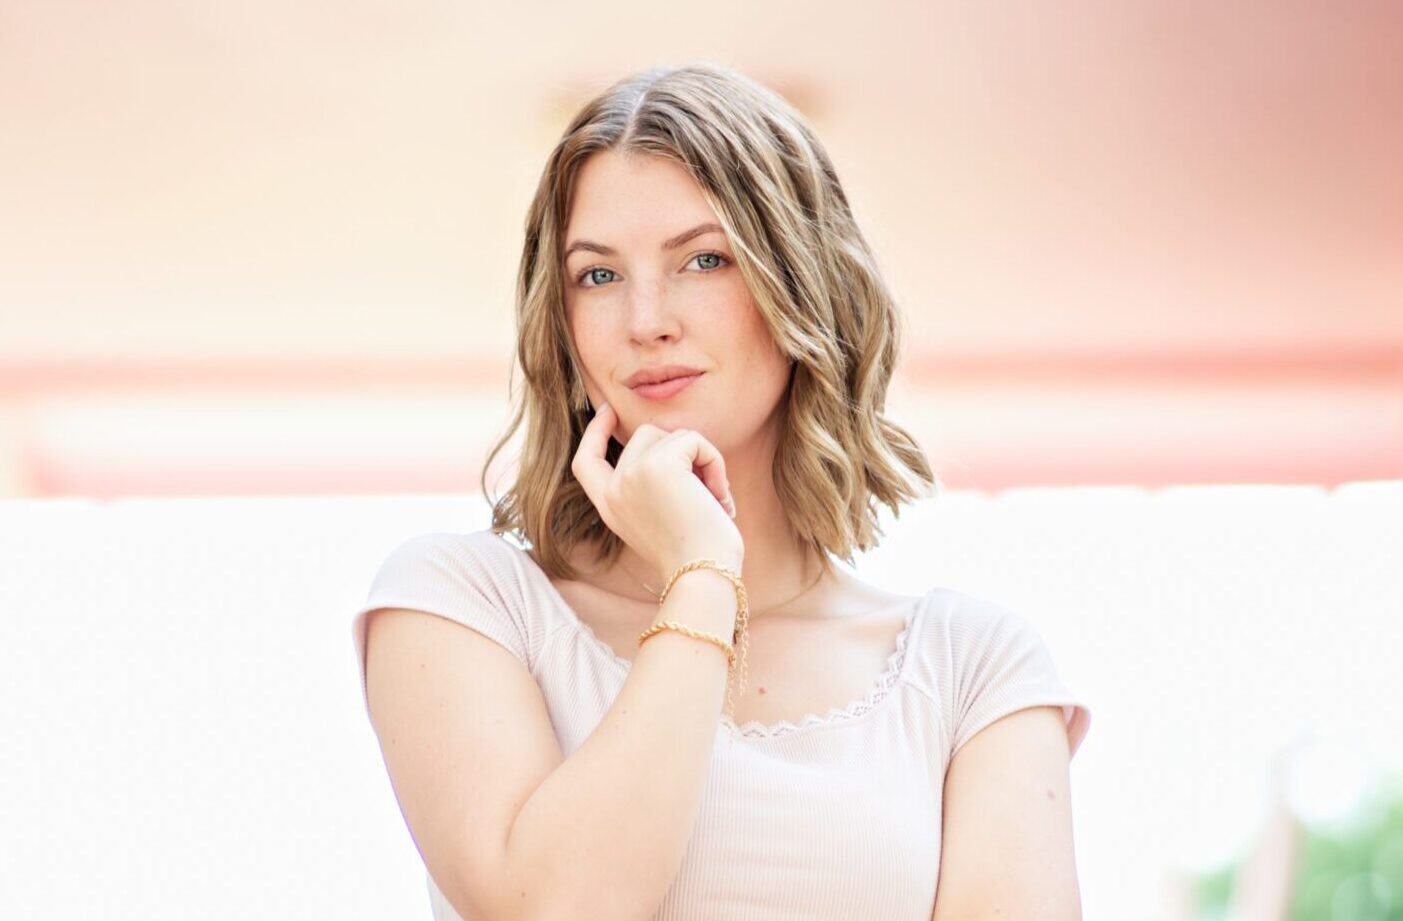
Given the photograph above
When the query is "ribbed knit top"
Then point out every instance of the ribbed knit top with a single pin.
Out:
(835, 815)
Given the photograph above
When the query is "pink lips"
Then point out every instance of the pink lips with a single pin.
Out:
(665, 389)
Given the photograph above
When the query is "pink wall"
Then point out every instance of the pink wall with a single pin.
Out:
(1135, 242)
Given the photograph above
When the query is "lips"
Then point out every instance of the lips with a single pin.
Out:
(657, 374)
(667, 388)
(663, 380)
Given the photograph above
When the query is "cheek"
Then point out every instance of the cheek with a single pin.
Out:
(588, 339)
(764, 352)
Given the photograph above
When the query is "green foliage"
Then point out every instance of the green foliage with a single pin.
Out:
(1352, 871)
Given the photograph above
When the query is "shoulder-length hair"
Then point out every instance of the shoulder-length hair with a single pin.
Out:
(812, 277)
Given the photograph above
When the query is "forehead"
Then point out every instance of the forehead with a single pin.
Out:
(620, 199)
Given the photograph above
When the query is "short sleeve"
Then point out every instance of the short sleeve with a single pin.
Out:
(1001, 664)
(466, 578)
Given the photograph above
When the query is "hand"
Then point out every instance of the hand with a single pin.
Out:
(668, 499)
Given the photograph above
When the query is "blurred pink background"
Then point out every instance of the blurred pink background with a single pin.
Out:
(270, 248)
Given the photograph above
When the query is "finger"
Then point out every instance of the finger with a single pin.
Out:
(590, 466)
(643, 438)
(708, 464)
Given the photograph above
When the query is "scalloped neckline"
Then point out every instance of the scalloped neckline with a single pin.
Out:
(881, 685)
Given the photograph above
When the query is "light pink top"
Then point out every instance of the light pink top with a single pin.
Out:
(836, 815)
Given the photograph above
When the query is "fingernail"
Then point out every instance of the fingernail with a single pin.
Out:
(601, 406)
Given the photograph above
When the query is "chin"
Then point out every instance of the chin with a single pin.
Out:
(667, 418)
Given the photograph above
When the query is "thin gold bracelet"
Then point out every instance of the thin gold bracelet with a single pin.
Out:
(683, 628)
(739, 637)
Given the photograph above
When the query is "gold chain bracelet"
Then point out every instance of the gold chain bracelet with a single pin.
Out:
(683, 628)
(739, 636)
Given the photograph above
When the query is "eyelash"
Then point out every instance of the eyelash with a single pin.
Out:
(580, 277)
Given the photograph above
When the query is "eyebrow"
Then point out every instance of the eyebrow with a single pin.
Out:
(671, 243)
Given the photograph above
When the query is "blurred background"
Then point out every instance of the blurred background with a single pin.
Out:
(256, 274)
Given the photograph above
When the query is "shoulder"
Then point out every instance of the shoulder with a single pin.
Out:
(982, 660)
(970, 644)
(854, 597)
(954, 622)
(483, 542)
(455, 550)
(475, 578)
(436, 564)
(965, 613)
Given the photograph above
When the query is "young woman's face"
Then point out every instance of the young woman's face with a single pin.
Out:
(647, 303)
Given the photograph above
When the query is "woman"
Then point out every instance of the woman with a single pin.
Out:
(673, 705)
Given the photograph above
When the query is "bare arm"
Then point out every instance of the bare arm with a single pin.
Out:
(510, 829)
(604, 834)
(607, 830)
(1007, 842)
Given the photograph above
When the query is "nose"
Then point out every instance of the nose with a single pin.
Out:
(649, 315)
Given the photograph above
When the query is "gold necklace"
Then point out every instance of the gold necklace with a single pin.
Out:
(802, 591)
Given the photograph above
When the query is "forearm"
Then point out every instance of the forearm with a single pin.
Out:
(603, 835)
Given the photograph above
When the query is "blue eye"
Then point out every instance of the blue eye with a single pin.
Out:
(580, 278)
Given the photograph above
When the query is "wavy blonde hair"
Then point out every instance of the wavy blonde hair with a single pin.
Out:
(811, 274)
